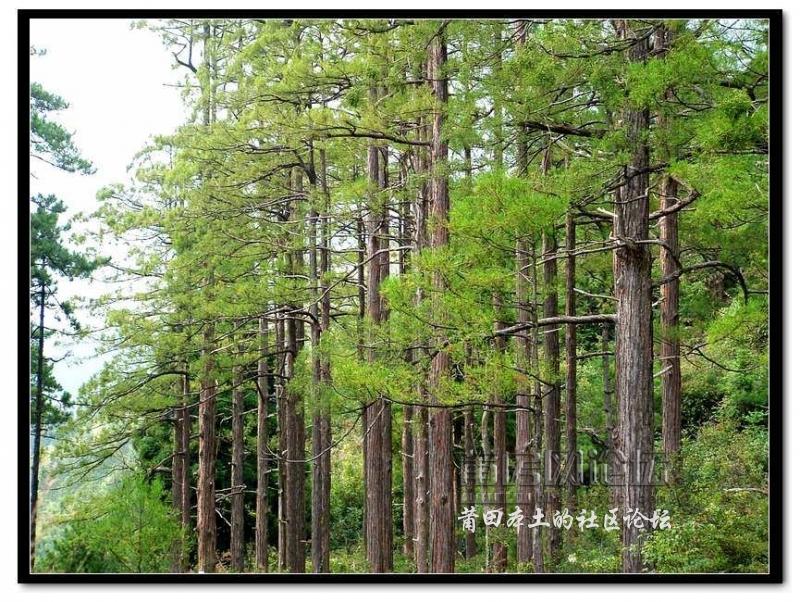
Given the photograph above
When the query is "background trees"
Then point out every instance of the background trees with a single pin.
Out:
(51, 259)
(360, 261)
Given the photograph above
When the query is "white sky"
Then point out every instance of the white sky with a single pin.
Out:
(116, 81)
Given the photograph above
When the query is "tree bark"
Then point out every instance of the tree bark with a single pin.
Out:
(524, 460)
(552, 395)
(378, 474)
(634, 341)
(320, 373)
(613, 463)
(206, 490)
(571, 350)
(186, 482)
(421, 419)
(523, 440)
(670, 340)
(295, 426)
(37, 425)
(499, 549)
(422, 488)
(670, 301)
(295, 457)
(237, 468)
(538, 419)
(471, 547)
(407, 437)
(262, 449)
(281, 354)
(207, 412)
(179, 460)
(442, 503)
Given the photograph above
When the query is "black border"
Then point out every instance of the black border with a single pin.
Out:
(776, 469)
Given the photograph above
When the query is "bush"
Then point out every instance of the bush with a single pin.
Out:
(720, 509)
(127, 528)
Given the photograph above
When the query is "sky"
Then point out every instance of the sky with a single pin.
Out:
(120, 85)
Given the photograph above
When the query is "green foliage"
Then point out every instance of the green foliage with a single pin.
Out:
(126, 527)
(50, 141)
(720, 508)
(223, 213)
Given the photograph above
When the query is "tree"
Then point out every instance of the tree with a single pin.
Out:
(51, 259)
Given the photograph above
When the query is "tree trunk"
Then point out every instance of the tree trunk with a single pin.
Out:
(570, 346)
(442, 503)
(524, 461)
(206, 490)
(471, 548)
(321, 374)
(186, 482)
(670, 303)
(280, 350)
(458, 459)
(179, 460)
(378, 476)
(37, 425)
(422, 488)
(295, 457)
(237, 467)
(361, 285)
(499, 549)
(207, 411)
(295, 425)
(634, 341)
(408, 481)
(552, 396)
(614, 466)
(421, 423)
(538, 422)
(670, 341)
(262, 449)
(407, 443)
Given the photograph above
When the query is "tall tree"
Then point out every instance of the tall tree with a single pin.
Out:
(378, 415)
(441, 452)
(634, 339)
(51, 260)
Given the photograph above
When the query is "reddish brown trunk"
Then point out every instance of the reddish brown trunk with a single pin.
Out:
(422, 489)
(499, 549)
(552, 396)
(524, 460)
(186, 484)
(206, 490)
(179, 460)
(408, 481)
(470, 458)
(378, 476)
(295, 457)
(407, 437)
(237, 470)
(441, 452)
(670, 341)
(614, 466)
(538, 422)
(421, 442)
(321, 377)
(295, 487)
(280, 350)
(262, 450)
(570, 346)
(634, 349)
